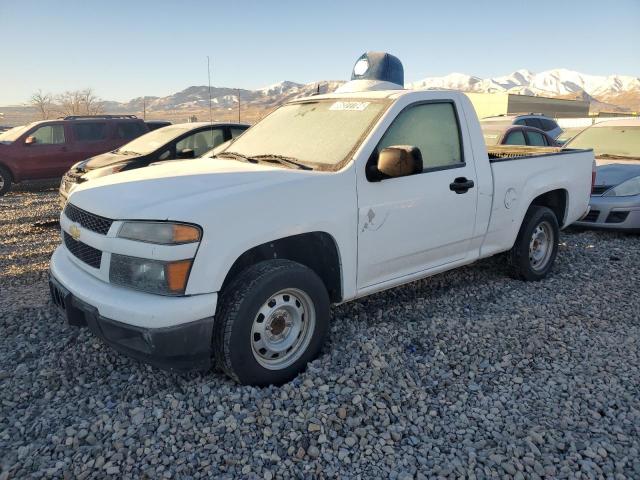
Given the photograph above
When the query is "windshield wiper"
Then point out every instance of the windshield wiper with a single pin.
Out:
(236, 156)
(294, 162)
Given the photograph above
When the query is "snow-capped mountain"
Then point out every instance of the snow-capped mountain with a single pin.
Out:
(551, 83)
(614, 89)
(197, 97)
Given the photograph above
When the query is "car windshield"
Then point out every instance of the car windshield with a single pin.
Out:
(623, 141)
(151, 141)
(320, 134)
(13, 134)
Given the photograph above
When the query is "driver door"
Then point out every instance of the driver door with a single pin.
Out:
(47, 155)
(419, 222)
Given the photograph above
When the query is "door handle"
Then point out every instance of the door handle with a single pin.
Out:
(461, 185)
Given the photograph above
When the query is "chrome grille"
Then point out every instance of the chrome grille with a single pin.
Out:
(90, 221)
(89, 255)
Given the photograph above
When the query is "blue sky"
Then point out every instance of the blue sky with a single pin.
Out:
(125, 49)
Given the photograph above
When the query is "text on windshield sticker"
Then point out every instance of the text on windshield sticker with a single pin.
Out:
(351, 106)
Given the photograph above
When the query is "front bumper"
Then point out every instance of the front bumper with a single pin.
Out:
(172, 333)
(612, 213)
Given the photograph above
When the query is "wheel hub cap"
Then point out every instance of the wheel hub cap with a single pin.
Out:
(282, 329)
(540, 246)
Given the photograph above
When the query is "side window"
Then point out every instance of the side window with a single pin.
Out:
(236, 132)
(548, 125)
(433, 128)
(89, 132)
(520, 121)
(515, 138)
(129, 130)
(49, 135)
(201, 142)
(536, 139)
(533, 122)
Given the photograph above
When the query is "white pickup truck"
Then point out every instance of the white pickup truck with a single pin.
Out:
(235, 260)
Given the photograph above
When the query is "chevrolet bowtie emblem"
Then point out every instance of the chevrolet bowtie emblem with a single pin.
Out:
(74, 231)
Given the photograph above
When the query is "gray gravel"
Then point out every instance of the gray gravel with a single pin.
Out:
(469, 373)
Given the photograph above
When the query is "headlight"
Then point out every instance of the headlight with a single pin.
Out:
(625, 189)
(164, 233)
(153, 276)
(103, 171)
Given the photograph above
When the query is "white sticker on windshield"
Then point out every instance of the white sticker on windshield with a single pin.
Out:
(351, 106)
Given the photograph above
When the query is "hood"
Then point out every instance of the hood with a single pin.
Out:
(615, 173)
(104, 160)
(154, 192)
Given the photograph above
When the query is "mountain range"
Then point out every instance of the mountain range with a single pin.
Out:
(616, 90)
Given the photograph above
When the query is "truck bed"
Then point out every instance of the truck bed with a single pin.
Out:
(512, 152)
(523, 173)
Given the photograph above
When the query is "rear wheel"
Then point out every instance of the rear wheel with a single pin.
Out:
(271, 321)
(536, 246)
(5, 180)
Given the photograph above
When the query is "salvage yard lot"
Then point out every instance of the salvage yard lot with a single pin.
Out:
(467, 373)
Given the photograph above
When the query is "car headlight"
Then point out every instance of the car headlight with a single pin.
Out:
(103, 171)
(625, 189)
(164, 233)
(153, 276)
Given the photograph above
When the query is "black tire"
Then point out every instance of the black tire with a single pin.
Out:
(523, 263)
(238, 308)
(5, 180)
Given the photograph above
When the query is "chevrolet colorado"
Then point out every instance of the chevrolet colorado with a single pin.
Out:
(236, 261)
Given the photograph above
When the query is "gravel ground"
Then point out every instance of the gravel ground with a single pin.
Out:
(467, 374)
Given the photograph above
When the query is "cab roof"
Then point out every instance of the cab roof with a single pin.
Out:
(371, 94)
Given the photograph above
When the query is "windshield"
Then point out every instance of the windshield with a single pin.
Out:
(13, 134)
(315, 133)
(151, 141)
(621, 141)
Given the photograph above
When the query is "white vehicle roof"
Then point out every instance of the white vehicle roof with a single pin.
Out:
(373, 94)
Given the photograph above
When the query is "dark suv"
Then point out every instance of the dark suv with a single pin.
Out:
(47, 149)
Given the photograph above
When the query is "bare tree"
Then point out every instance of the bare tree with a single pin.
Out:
(79, 102)
(43, 103)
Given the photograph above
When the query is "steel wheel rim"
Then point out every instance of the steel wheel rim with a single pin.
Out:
(282, 329)
(541, 246)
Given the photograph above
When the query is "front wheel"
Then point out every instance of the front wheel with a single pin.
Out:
(536, 246)
(270, 322)
(5, 180)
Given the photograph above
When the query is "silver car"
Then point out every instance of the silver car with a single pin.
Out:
(536, 120)
(615, 201)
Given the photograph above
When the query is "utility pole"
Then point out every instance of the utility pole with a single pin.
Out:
(144, 107)
(238, 105)
(209, 76)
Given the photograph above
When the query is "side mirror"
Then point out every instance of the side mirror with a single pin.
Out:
(397, 161)
(186, 153)
(30, 140)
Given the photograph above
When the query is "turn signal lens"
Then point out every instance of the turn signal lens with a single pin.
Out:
(185, 233)
(177, 275)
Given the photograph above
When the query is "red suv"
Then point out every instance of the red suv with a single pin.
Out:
(47, 149)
